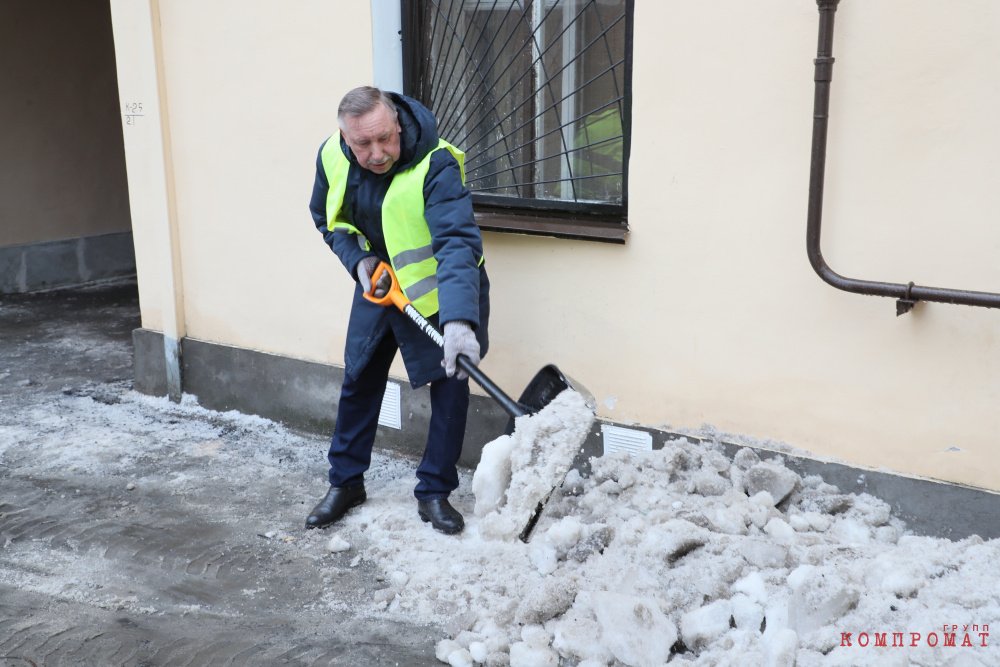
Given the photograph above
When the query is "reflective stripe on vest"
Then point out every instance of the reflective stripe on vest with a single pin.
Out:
(407, 237)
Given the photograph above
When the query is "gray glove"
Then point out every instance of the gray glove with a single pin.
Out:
(459, 338)
(365, 269)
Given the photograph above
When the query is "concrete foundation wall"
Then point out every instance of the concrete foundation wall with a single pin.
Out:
(297, 393)
(40, 266)
(62, 165)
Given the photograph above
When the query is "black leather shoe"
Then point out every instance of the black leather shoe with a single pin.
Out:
(335, 504)
(441, 514)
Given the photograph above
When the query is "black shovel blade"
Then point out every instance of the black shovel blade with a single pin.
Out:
(548, 383)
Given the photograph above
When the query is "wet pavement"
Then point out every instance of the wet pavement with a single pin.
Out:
(134, 531)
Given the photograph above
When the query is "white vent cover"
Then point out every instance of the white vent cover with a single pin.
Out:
(389, 415)
(618, 439)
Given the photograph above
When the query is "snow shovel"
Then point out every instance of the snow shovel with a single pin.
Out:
(547, 383)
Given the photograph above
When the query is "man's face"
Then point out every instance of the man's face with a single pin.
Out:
(373, 138)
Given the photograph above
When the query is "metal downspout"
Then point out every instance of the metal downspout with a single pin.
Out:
(907, 295)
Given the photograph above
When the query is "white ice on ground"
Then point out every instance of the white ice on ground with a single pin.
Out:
(638, 560)
(336, 544)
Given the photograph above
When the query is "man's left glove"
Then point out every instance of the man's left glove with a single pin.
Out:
(459, 338)
(366, 267)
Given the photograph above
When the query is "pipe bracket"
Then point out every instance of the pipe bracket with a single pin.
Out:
(906, 304)
(824, 68)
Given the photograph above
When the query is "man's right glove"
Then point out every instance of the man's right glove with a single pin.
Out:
(459, 338)
(365, 269)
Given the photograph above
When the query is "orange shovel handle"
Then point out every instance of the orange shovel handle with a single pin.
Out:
(394, 296)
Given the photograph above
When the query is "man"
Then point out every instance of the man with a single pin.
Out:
(388, 189)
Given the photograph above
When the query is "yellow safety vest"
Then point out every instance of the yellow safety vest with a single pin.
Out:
(407, 237)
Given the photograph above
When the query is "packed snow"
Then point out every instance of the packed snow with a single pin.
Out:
(679, 556)
(519, 471)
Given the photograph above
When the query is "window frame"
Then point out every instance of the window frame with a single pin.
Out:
(556, 218)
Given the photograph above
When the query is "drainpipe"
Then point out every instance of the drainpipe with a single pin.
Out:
(906, 295)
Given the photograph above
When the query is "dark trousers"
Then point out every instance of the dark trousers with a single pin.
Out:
(357, 420)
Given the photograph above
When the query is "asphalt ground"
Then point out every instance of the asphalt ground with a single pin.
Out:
(133, 533)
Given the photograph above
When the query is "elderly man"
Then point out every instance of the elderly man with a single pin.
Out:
(388, 189)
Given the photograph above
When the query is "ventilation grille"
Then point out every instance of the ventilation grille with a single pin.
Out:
(390, 415)
(618, 439)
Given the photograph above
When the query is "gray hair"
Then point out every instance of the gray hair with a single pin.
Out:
(362, 100)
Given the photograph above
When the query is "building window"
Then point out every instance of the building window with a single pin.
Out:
(536, 92)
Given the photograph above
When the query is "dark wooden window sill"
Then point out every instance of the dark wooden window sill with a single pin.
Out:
(562, 226)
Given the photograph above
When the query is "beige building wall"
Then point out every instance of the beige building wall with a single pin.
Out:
(62, 175)
(710, 314)
(251, 92)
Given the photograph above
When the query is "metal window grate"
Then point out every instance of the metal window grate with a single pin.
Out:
(534, 91)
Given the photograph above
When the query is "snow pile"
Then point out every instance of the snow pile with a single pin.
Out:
(518, 471)
(678, 556)
(683, 556)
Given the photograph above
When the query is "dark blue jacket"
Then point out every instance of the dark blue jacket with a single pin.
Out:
(463, 286)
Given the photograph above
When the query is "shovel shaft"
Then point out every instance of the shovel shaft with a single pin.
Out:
(395, 296)
(510, 406)
(424, 325)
